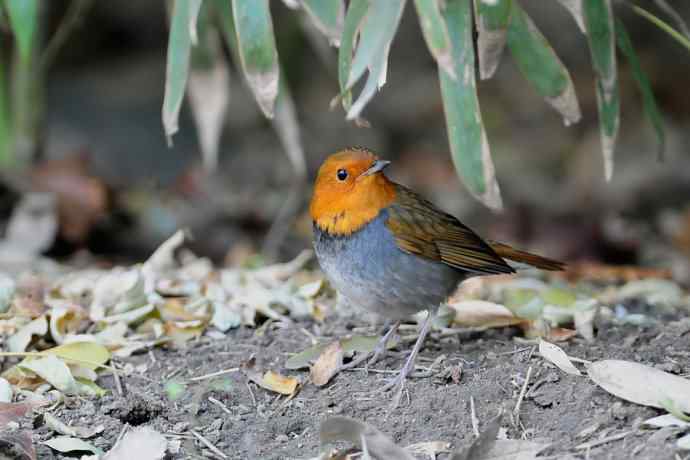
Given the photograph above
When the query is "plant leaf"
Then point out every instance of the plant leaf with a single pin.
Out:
(52, 370)
(145, 441)
(648, 100)
(177, 66)
(492, 23)
(468, 143)
(327, 16)
(353, 22)
(377, 31)
(23, 16)
(540, 65)
(21, 339)
(575, 9)
(556, 356)
(641, 384)
(87, 354)
(598, 16)
(70, 444)
(208, 90)
(362, 435)
(327, 365)
(435, 33)
(257, 50)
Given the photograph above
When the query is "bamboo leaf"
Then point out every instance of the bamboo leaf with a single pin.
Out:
(208, 89)
(492, 23)
(257, 50)
(177, 66)
(575, 9)
(648, 101)
(541, 66)
(23, 16)
(353, 22)
(194, 9)
(679, 37)
(377, 31)
(468, 143)
(600, 34)
(435, 33)
(327, 16)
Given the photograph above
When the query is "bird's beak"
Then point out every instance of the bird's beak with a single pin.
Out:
(377, 166)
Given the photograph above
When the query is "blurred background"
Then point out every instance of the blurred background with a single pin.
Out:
(121, 190)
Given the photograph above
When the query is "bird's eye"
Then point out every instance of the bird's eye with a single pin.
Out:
(341, 174)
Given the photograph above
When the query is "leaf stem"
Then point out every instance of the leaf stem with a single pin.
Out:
(680, 38)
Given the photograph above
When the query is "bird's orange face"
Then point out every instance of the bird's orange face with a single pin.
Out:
(350, 191)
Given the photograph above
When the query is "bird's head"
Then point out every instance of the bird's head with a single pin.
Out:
(350, 191)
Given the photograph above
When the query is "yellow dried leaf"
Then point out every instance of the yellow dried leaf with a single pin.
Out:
(279, 383)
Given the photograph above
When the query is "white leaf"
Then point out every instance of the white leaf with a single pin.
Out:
(52, 370)
(146, 442)
(21, 339)
(684, 442)
(555, 355)
(69, 444)
(665, 420)
(5, 391)
(641, 384)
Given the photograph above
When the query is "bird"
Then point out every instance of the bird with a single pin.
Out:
(388, 250)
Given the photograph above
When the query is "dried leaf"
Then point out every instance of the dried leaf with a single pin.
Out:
(480, 447)
(148, 444)
(429, 449)
(11, 412)
(58, 426)
(52, 370)
(361, 434)
(21, 440)
(557, 357)
(278, 383)
(665, 420)
(327, 365)
(480, 313)
(87, 354)
(6, 392)
(66, 444)
(641, 384)
(21, 339)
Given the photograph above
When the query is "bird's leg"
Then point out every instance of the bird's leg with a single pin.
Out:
(380, 349)
(399, 380)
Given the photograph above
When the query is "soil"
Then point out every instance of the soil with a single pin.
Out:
(248, 422)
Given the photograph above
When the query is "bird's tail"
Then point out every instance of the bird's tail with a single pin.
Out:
(522, 258)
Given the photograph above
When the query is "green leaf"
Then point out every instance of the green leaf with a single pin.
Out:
(648, 100)
(679, 37)
(327, 16)
(257, 49)
(353, 22)
(435, 33)
(600, 34)
(377, 32)
(468, 143)
(23, 16)
(540, 65)
(6, 154)
(492, 24)
(177, 67)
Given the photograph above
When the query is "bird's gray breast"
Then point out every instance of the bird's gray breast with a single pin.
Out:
(370, 270)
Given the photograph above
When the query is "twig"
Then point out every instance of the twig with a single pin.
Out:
(208, 444)
(516, 410)
(598, 442)
(214, 374)
(519, 350)
(222, 406)
(473, 417)
(118, 384)
(251, 393)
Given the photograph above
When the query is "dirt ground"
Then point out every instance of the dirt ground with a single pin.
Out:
(246, 422)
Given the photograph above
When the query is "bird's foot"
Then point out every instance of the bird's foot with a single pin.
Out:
(376, 355)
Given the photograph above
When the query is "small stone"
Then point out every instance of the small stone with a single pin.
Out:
(282, 438)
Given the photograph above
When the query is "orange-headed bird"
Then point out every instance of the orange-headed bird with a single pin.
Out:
(390, 251)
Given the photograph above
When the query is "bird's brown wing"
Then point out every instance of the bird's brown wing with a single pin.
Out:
(422, 229)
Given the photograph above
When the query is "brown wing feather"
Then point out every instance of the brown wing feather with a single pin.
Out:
(422, 229)
(524, 257)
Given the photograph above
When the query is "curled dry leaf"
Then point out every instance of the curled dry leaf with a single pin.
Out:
(641, 384)
(327, 365)
(145, 441)
(59, 426)
(480, 313)
(359, 433)
(21, 339)
(555, 355)
(52, 370)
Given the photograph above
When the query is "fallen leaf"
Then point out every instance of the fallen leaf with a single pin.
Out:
(22, 338)
(327, 365)
(483, 444)
(52, 370)
(5, 391)
(665, 420)
(683, 442)
(356, 343)
(21, 440)
(87, 354)
(641, 384)
(58, 426)
(148, 444)
(29, 297)
(7, 288)
(429, 449)
(480, 313)
(556, 356)
(278, 383)
(11, 412)
(64, 321)
(362, 435)
(66, 444)
(516, 449)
